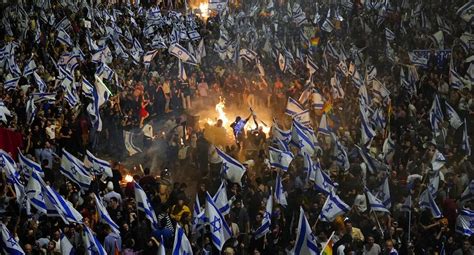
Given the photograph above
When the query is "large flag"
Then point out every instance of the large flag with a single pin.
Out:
(427, 202)
(91, 243)
(10, 82)
(181, 244)
(466, 145)
(332, 208)
(280, 159)
(9, 245)
(322, 181)
(104, 215)
(293, 107)
(302, 138)
(267, 219)
(221, 201)
(74, 170)
(144, 205)
(465, 222)
(220, 231)
(375, 203)
(303, 117)
(232, 169)
(182, 53)
(453, 116)
(305, 243)
(97, 166)
(280, 195)
(28, 165)
(59, 206)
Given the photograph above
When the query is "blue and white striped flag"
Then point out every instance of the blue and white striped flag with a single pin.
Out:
(453, 116)
(248, 55)
(279, 158)
(306, 243)
(373, 165)
(417, 60)
(198, 216)
(324, 128)
(388, 149)
(64, 38)
(427, 202)
(9, 245)
(182, 53)
(40, 83)
(75, 171)
(87, 88)
(389, 34)
(59, 206)
(148, 57)
(283, 62)
(219, 230)
(332, 208)
(4, 112)
(11, 83)
(91, 243)
(181, 244)
(383, 194)
(66, 246)
(144, 205)
(466, 12)
(280, 134)
(29, 165)
(407, 204)
(221, 201)
(438, 160)
(455, 80)
(322, 181)
(466, 145)
(232, 169)
(181, 71)
(97, 166)
(302, 138)
(465, 222)
(340, 153)
(34, 194)
(104, 215)
(29, 68)
(280, 194)
(267, 218)
(368, 133)
(293, 107)
(375, 203)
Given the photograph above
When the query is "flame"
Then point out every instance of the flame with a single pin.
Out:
(220, 110)
(128, 178)
(204, 9)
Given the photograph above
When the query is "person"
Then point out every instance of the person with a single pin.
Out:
(112, 194)
(143, 112)
(112, 242)
(238, 129)
(371, 248)
(389, 249)
(353, 231)
(178, 210)
(465, 249)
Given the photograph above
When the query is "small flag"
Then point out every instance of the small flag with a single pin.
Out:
(342, 159)
(182, 53)
(453, 116)
(389, 34)
(29, 68)
(64, 38)
(98, 166)
(4, 112)
(74, 170)
(91, 243)
(305, 243)
(280, 195)
(28, 165)
(324, 128)
(465, 222)
(104, 215)
(280, 159)
(427, 202)
(375, 203)
(267, 219)
(144, 205)
(132, 142)
(181, 244)
(332, 208)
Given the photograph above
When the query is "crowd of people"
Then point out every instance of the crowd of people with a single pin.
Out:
(380, 90)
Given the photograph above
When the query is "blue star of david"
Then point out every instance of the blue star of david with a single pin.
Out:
(12, 241)
(73, 170)
(280, 158)
(471, 224)
(225, 168)
(2, 162)
(329, 207)
(101, 169)
(216, 224)
(266, 216)
(382, 194)
(300, 143)
(325, 184)
(180, 52)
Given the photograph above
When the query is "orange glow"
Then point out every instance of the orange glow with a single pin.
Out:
(128, 178)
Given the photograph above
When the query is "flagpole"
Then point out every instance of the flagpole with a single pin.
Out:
(378, 222)
(409, 224)
(326, 244)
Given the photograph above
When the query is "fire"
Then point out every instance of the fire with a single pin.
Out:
(204, 9)
(128, 178)
(220, 110)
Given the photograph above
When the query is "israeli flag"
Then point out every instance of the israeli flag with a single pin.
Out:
(357, 79)
(34, 194)
(66, 246)
(198, 216)
(324, 128)
(340, 153)
(427, 202)
(434, 183)
(144, 205)
(453, 116)
(267, 219)
(28, 165)
(280, 134)
(232, 170)
(383, 194)
(4, 112)
(58, 206)
(466, 146)
(368, 133)
(219, 230)
(181, 71)
(312, 67)
(375, 203)
(182, 53)
(97, 166)
(64, 38)
(9, 245)
(11, 82)
(283, 62)
(181, 244)
(279, 158)
(317, 101)
(91, 243)
(438, 160)
(465, 222)
(305, 243)
(466, 12)
(148, 57)
(332, 208)
(373, 165)
(104, 215)
(221, 201)
(74, 170)
(436, 114)
(136, 51)
(104, 71)
(416, 60)
(407, 204)
(29, 68)
(280, 194)
(455, 80)
(322, 181)
(39, 82)
(293, 107)
(389, 34)
(468, 193)
(130, 143)
(302, 138)
(388, 149)
(327, 25)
